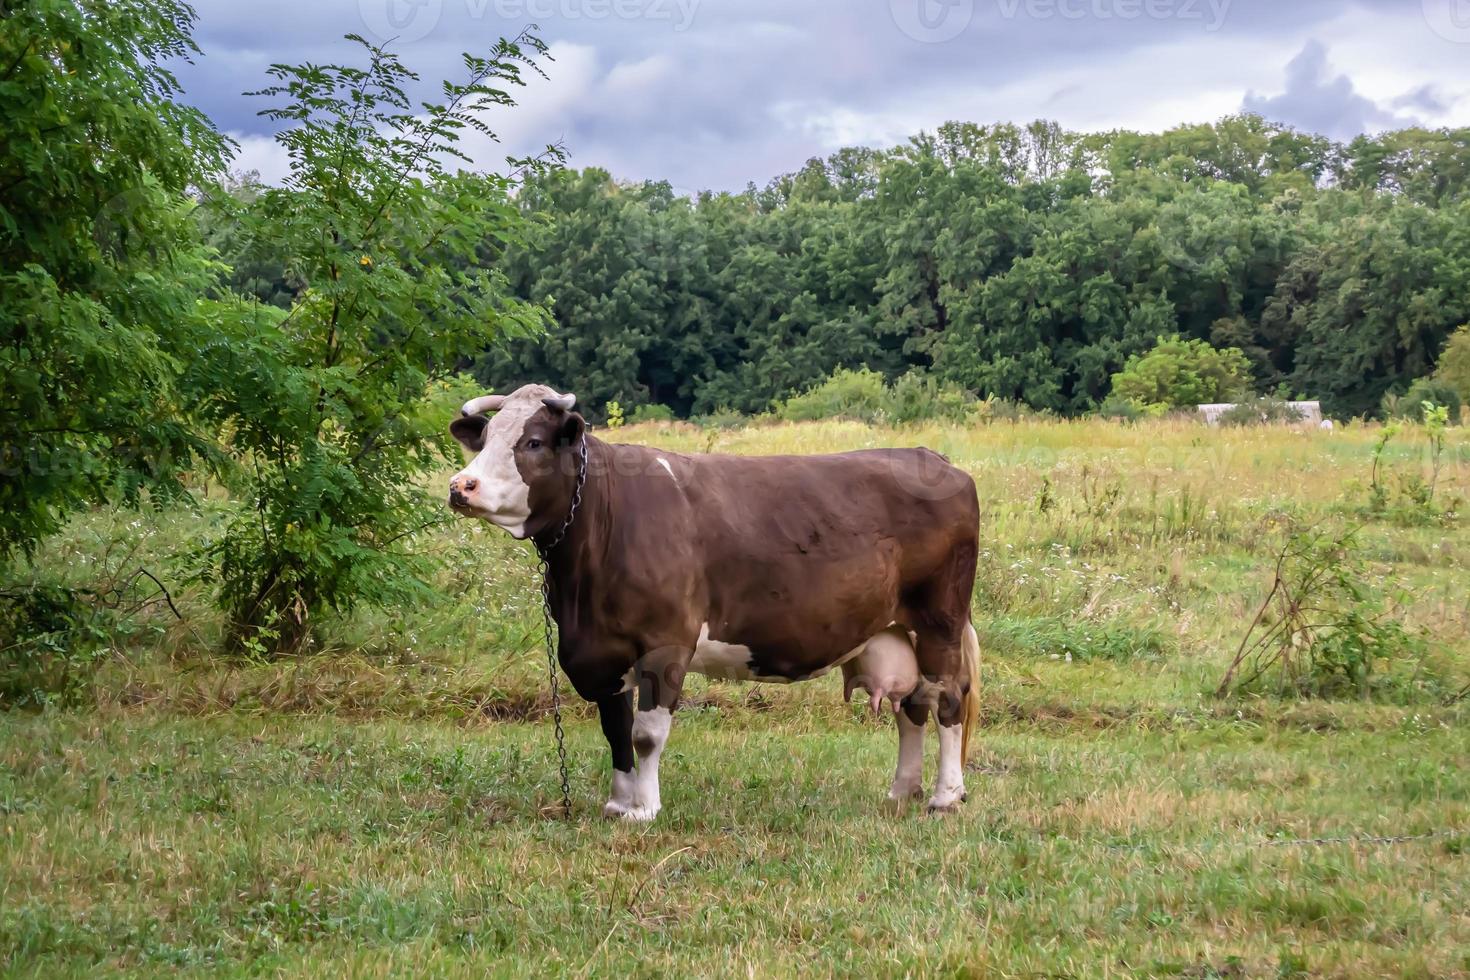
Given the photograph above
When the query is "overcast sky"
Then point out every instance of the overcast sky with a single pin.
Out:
(715, 93)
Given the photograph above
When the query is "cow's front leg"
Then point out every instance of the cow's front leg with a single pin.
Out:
(660, 681)
(908, 777)
(616, 714)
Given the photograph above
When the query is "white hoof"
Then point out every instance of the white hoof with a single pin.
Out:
(899, 794)
(946, 802)
(612, 809)
(639, 814)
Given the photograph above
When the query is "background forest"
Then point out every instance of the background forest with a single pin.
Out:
(1025, 264)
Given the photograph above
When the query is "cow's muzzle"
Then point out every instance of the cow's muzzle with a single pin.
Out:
(459, 489)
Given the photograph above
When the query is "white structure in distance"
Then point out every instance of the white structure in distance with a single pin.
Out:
(1309, 412)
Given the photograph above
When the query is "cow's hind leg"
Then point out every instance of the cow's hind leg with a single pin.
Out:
(616, 714)
(943, 688)
(660, 681)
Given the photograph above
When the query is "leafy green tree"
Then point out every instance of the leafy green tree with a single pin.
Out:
(100, 264)
(1225, 252)
(1052, 327)
(1453, 369)
(256, 268)
(1263, 157)
(590, 267)
(325, 403)
(622, 266)
(945, 229)
(1182, 374)
(1429, 166)
(1367, 308)
(1024, 263)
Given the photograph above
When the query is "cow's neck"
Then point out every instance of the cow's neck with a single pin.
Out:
(572, 564)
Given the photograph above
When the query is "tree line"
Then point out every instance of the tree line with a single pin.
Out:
(1022, 263)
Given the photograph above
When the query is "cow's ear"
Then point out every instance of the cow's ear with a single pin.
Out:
(572, 428)
(469, 431)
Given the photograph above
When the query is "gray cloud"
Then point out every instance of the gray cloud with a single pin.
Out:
(1426, 98)
(714, 93)
(1317, 100)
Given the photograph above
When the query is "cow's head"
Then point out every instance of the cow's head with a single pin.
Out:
(526, 456)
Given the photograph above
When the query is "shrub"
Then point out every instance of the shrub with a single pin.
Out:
(1115, 407)
(1408, 498)
(1323, 630)
(1261, 411)
(1411, 404)
(863, 396)
(651, 413)
(722, 418)
(54, 635)
(1179, 373)
(860, 395)
(1453, 369)
(54, 638)
(614, 412)
(919, 397)
(328, 405)
(445, 396)
(1000, 410)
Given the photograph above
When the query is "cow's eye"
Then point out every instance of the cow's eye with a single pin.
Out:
(533, 443)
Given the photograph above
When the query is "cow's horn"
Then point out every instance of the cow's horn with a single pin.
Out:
(483, 405)
(560, 402)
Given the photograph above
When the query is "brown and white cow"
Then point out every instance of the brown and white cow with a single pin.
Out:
(774, 568)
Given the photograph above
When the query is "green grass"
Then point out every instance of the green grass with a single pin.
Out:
(318, 844)
(382, 806)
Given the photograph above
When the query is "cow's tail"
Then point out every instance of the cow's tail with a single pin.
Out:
(970, 648)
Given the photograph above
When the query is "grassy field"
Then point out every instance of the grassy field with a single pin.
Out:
(381, 806)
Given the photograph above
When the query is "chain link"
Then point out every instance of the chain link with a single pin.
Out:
(1361, 839)
(543, 553)
(1366, 840)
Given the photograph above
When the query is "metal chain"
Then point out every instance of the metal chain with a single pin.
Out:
(1360, 839)
(561, 737)
(543, 553)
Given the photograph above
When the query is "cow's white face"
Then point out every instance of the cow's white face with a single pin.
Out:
(514, 472)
